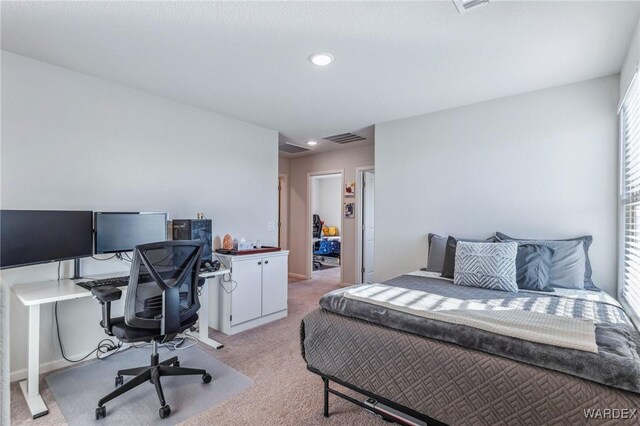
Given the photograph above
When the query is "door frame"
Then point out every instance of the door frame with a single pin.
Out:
(359, 219)
(309, 254)
(284, 210)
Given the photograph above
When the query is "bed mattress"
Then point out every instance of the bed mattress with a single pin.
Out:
(462, 385)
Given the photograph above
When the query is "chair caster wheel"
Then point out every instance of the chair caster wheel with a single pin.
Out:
(119, 380)
(206, 377)
(101, 412)
(165, 411)
(176, 363)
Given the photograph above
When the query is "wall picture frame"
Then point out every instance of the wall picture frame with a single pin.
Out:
(349, 210)
(350, 190)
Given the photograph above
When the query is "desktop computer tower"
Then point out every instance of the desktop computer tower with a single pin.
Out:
(194, 229)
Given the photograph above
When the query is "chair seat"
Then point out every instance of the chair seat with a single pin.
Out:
(126, 333)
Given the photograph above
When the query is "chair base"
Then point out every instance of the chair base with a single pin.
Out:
(151, 373)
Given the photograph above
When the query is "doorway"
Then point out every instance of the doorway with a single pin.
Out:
(365, 213)
(326, 230)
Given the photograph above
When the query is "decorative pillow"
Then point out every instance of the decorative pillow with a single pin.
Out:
(486, 265)
(449, 265)
(569, 262)
(435, 257)
(533, 264)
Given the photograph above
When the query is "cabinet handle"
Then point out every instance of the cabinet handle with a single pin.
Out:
(266, 261)
(259, 263)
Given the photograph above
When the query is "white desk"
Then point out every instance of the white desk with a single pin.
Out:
(33, 295)
(203, 313)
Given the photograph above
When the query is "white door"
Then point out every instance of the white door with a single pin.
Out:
(368, 186)
(246, 296)
(274, 284)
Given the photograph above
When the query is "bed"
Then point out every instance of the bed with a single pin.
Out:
(444, 372)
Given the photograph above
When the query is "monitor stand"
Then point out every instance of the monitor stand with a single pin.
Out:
(76, 269)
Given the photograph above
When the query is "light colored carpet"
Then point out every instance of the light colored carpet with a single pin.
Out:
(285, 393)
(77, 390)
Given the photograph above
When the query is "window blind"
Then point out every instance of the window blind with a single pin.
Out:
(629, 291)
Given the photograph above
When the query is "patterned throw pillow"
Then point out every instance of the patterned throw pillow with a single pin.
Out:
(486, 265)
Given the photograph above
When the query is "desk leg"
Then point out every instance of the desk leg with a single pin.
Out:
(203, 318)
(31, 386)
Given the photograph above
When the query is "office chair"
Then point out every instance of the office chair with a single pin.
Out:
(161, 301)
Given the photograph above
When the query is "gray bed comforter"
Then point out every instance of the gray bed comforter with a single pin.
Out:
(617, 363)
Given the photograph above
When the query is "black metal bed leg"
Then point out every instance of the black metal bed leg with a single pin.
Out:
(326, 396)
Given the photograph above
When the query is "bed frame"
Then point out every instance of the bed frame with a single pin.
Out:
(373, 398)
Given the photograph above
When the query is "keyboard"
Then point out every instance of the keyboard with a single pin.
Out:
(113, 282)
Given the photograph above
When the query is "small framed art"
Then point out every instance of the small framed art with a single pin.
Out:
(349, 210)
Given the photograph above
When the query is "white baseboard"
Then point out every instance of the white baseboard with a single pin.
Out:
(56, 364)
(47, 366)
(297, 276)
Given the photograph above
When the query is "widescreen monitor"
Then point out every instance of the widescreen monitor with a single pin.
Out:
(121, 232)
(29, 237)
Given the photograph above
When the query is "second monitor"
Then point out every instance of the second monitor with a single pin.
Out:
(120, 232)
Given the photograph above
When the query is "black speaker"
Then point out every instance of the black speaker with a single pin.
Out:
(194, 229)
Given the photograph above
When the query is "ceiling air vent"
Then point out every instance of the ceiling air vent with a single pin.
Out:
(345, 138)
(291, 148)
(466, 5)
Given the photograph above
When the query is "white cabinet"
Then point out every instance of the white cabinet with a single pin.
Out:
(255, 293)
(246, 300)
(274, 294)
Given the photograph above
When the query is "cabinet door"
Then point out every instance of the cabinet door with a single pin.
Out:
(246, 298)
(274, 284)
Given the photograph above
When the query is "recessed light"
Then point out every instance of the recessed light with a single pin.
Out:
(312, 143)
(321, 59)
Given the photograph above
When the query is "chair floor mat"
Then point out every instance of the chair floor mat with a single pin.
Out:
(78, 389)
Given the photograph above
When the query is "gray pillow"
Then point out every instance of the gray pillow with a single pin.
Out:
(586, 243)
(486, 265)
(435, 256)
(533, 265)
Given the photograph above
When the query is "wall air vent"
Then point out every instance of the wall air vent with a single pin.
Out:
(345, 138)
(291, 148)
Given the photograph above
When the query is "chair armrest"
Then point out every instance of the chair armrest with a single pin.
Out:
(106, 294)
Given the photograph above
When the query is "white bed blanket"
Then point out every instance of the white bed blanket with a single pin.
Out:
(561, 331)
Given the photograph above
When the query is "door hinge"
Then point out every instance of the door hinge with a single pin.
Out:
(363, 269)
(230, 318)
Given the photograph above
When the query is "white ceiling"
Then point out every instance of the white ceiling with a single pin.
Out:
(392, 60)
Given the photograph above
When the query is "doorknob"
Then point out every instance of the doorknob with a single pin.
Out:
(266, 261)
(259, 263)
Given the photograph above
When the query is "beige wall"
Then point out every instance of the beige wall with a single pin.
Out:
(283, 169)
(347, 159)
(541, 165)
(283, 165)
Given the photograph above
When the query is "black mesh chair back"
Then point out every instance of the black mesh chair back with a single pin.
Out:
(163, 286)
(317, 226)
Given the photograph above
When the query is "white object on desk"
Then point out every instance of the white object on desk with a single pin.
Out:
(256, 295)
(32, 295)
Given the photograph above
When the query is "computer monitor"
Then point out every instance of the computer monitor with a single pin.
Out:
(120, 232)
(29, 237)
